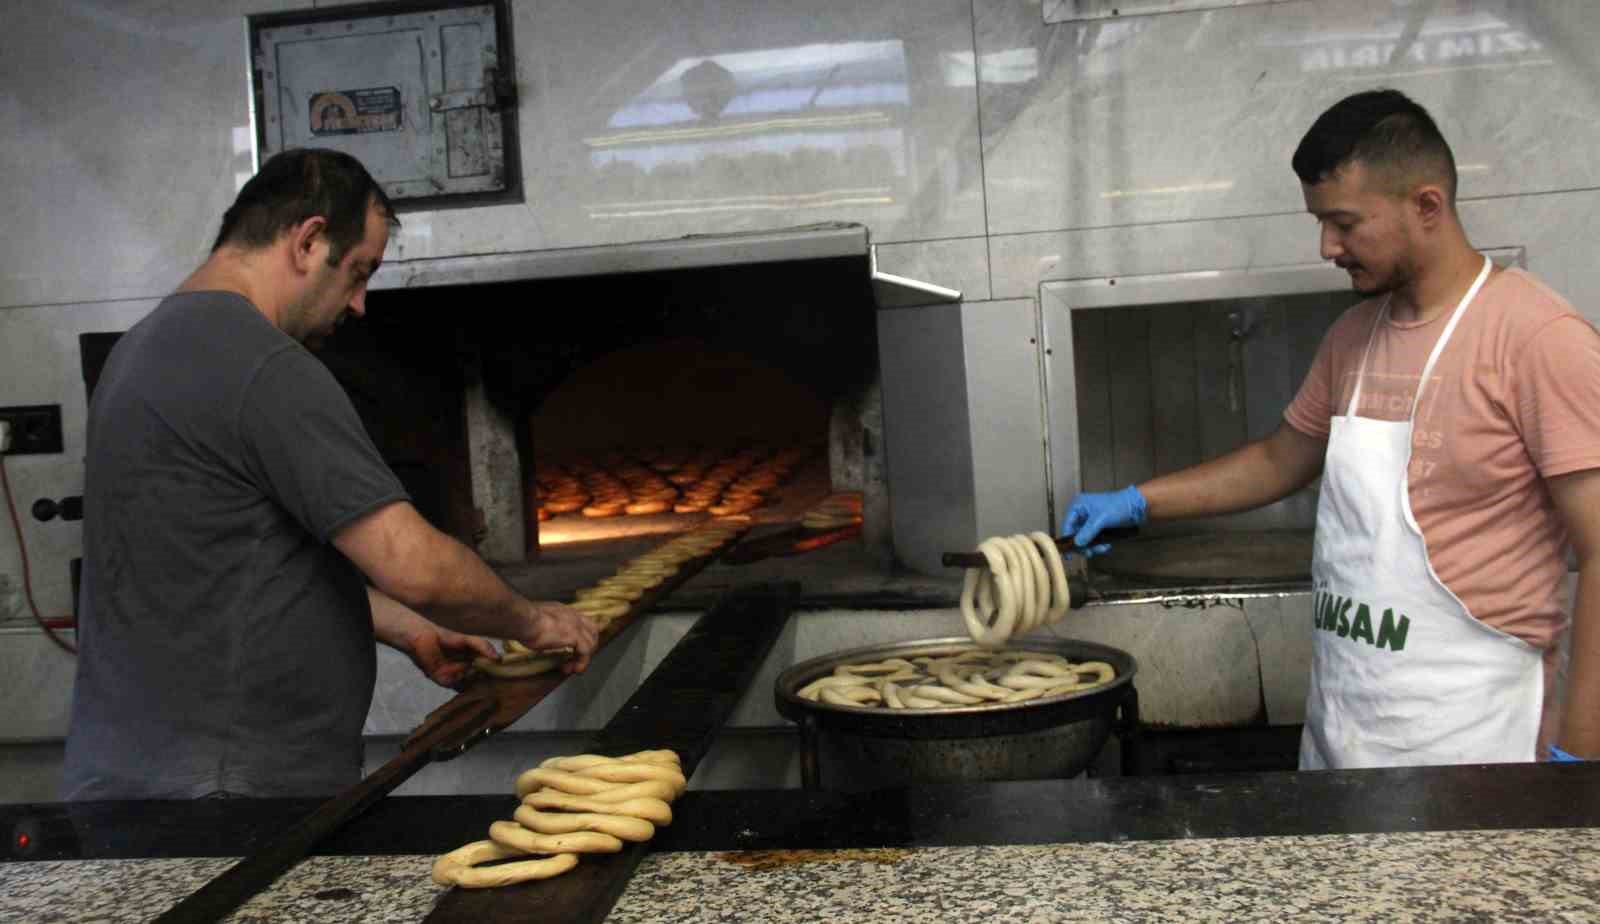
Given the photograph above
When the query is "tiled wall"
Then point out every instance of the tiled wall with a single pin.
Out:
(996, 151)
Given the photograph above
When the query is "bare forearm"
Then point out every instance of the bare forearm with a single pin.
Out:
(1580, 723)
(453, 587)
(392, 623)
(424, 569)
(1251, 476)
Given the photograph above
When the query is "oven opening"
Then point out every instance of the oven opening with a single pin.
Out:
(1161, 387)
(658, 437)
(584, 419)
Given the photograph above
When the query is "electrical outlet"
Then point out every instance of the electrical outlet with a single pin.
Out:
(35, 429)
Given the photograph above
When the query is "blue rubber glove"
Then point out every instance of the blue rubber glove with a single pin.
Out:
(1090, 513)
(1558, 756)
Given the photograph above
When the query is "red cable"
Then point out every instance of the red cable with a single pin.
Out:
(27, 577)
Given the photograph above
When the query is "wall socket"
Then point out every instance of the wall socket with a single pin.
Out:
(35, 429)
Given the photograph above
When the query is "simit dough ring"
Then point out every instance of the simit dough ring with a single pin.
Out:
(601, 608)
(577, 784)
(639, 772)
(655, 811)
(515, 836)
(621, 827)
(459, 866)
(563, 780)
(608, 592)
(986, 628)
(1024, 587)
(578, 762)
(528, 668)
(624, 792)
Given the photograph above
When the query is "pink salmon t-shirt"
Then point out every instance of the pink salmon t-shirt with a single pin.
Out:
(1513, 400)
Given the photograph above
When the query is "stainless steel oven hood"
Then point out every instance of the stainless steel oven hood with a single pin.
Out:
(808, 242)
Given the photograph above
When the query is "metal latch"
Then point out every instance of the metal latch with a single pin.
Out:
(497, 92)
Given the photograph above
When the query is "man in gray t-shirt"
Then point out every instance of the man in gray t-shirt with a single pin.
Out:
(235, 510)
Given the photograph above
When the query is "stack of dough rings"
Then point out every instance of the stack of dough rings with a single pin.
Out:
(570, 806)
(1024, 588)
(972, 677)
(610, 599)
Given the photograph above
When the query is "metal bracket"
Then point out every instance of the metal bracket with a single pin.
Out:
(498, 92)
(460, 99)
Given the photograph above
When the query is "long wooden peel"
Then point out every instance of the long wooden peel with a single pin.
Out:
(486, 705)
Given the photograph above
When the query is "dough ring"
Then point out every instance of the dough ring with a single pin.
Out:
(621, 827)
(598, 789)
(609, 592)
(638, 772)
(564, 780)
(460, 867)
(986, 627)
(514, 669)
(601, 608)
(515, 836)
(576, 762)
(655, 811)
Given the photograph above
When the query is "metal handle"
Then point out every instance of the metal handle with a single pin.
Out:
(1064, 543)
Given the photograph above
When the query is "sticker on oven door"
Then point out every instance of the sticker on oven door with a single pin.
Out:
(355, 112)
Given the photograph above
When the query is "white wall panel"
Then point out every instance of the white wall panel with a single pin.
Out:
(1195, 115)
(127, 134)
(1557, 230)
(834, 111)
(40, 364)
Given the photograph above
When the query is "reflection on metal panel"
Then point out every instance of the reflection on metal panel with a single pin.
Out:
(1077, 10)
(926, 423)
(412, 96)
(1000, 341)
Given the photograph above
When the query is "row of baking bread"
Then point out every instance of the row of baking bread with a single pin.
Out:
(570, 806)
(834, 511)
(740, 485)
(610, 598)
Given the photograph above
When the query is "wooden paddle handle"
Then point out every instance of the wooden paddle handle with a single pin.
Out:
(233, 887)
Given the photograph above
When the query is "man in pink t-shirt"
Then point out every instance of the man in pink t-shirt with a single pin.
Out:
(1454, 418)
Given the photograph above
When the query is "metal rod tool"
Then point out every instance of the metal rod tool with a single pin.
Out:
(1064, 543)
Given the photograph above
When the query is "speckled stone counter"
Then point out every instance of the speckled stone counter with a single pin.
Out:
(1549, 875)
(1493, 843)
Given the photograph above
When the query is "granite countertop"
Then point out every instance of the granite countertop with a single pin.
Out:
(1542, 875)
(1509, 842)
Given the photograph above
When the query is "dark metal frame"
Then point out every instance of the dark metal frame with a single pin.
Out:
(507, 68)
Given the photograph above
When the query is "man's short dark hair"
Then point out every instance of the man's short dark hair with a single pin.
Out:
(299, 184)
(1389, 133)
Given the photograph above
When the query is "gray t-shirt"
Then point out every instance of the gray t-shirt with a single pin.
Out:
(225, 644)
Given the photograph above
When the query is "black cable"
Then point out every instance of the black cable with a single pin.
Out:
(27, 577)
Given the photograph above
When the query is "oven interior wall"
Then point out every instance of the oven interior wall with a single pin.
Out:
(1162, 387)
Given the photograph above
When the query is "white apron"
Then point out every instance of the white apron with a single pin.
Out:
(1402, 674)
